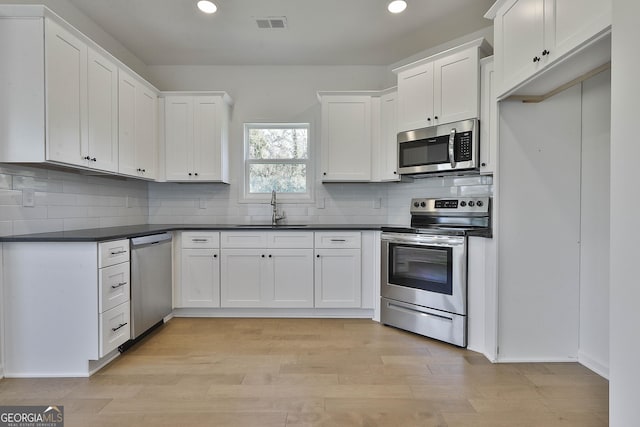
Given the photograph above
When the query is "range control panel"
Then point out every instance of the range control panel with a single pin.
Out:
(449, 206)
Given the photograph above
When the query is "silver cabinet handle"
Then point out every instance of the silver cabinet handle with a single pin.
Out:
(118, 252)
(338, 240)
(199, 240)
(119, 326)
(119, 285)
(452, 139)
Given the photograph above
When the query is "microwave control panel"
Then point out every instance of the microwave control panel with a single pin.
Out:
(463, 147)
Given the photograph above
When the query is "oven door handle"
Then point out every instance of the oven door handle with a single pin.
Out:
(452, 140)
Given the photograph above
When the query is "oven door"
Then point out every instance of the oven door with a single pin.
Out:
(426, 270)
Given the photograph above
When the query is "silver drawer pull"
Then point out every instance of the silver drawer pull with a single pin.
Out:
(199, 240)
(119, 326)
(338, 240)
(118, 252)
(119, 285)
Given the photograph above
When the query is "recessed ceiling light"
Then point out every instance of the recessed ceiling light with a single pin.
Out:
(207, 6)
(397, 6)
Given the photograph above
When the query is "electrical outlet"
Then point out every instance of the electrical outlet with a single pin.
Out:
(320, 203)
(127, 201)
(203, 203)
(377, 203)
(28, 198)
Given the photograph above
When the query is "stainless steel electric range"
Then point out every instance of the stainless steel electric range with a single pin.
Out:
(424, 267)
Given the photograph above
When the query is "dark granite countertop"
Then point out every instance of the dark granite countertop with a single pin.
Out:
(113, 233)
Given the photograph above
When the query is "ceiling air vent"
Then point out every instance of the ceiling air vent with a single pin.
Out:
(272, 22)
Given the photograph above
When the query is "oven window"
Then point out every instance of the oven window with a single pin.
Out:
(421, 267)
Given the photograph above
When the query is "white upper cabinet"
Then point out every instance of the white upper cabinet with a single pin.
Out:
(388, 150)
(101, 148)
(532, 35)
(137, 127)
(440, 89)
(346, 138)
(66, 101)
(196, 137)
(415, 94)
(66, 96)
(359, 134)
(456, 86)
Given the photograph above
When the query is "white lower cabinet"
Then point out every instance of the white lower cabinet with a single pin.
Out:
(114, 295)
(200, 278)
(241, 278)
(338, 270)
(65, 306)
(115, 328)
(338, 278)
(270, 269)
(267, 277)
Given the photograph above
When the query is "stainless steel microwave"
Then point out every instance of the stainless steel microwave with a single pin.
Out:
(450, 147)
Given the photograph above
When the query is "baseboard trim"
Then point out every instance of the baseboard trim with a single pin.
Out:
(594, 365)
(275, 312)
(536, 359)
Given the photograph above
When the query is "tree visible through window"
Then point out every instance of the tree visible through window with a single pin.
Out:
(277, 158)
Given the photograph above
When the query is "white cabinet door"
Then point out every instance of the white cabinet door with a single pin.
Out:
(388, 151)
(242, 277)
(456, 87)
(520, 39)
(179, 138)
(338, 281)
(146, 132)
(346, 138)
(196, 138)
(488, 118)
(575, 21)
(137, 121)
(291, 274)
(66, 95)
(200, 282)
(208, 159)
(415, 97)
(101, 150)
(532, 34)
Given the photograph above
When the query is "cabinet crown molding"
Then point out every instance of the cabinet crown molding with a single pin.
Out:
(482, 44)
(224, 95)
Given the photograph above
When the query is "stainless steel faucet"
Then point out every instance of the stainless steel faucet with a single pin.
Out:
(275, 217)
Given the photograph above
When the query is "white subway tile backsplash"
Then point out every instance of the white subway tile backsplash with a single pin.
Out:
(37, 226)
(67, 201)
(6, 181)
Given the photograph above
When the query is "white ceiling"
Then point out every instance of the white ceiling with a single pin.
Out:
(320, 32)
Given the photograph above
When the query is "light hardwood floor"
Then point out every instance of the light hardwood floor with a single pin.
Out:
(314, 372)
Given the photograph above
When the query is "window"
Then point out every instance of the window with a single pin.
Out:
(277, 158)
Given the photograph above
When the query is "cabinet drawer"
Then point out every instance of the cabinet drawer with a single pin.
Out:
(115, 328)
(333, 239)
(111, 253)
(290, 239)
(243, 239)
(114, 286)
(201, 240)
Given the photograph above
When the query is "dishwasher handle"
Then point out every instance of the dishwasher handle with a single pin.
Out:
(153, 239)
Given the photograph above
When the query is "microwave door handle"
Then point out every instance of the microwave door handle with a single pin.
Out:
(452, 139)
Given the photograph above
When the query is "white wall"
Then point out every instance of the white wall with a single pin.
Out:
(539, 204)
(67, 201)
(594, 224)
(625, 207)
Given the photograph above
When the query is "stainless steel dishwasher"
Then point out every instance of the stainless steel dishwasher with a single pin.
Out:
(151, 287)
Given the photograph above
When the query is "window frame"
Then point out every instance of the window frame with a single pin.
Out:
(306, 197)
